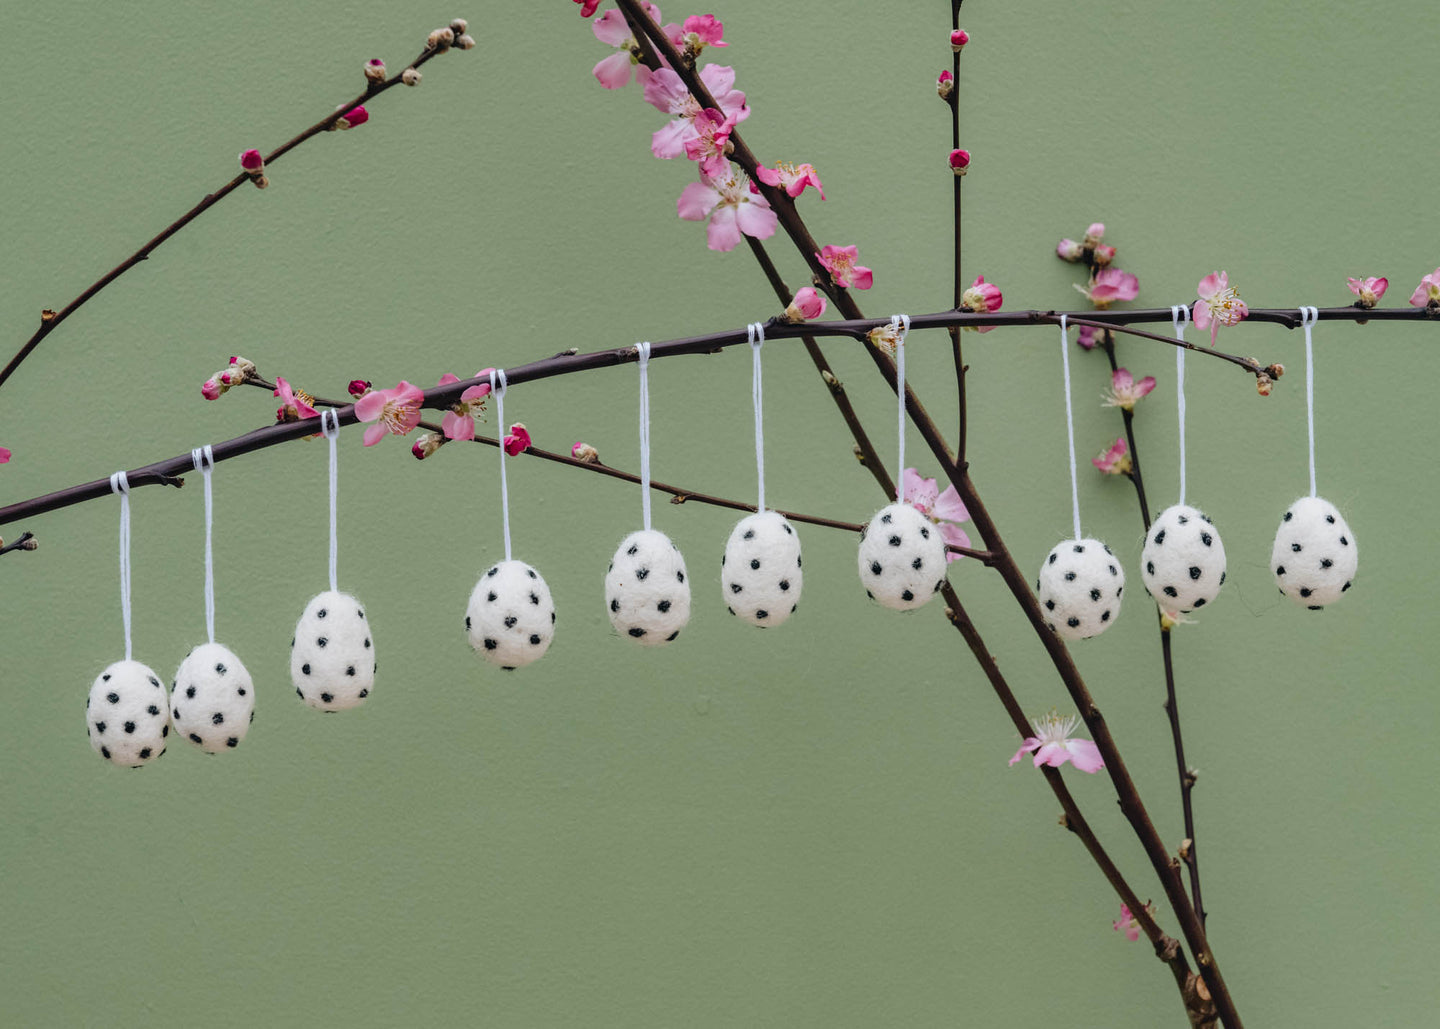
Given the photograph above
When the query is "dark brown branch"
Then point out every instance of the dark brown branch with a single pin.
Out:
(961, 437)
(25, 542)
(51, 320)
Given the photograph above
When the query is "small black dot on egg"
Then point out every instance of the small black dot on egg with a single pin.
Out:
(1222, 578)
(637, 632)
(722, 560)
(165, 730)
(786, 527)
(1105, 615)
(1160, 537)
(219, 669)
(1053, 556)
(1073, 622)
(490, 644)
(114, 698)
(327, 698)
(1305, 591)
(1279, 569)
(195, 738)
(663, 606)
(105, 752)
(755, 564)
(510, 622)
(100, 727)
(1095, 595)
(672, 636)
(144, 753)
(870, 595)
(1150, 567)
(240, 690)
(490, 597)
(1170, 591)
(735, 587)
(190, 692)
(1114, 570)
(1049, 605)
(894, 541)
(1078, 548)
(177, 714)
(1345, 587)
(886, 518)
(218, 718)
(349, 669)
(615, 605)
(1206, 538)
(1182, 519)
(924, 533)
(233, 741)
(492, 571)
(784, 585)
(1344, 542)
(1295, 547)
(105, 677)
(875, 568)
(298, 693)
(321, 641)
(1325, 562)
(1119, 590)
(152, 709)
(680, 576)
(1330, 519)
(534, 639)
(1315, 607)
(154, 681)
(641, 573)
(918, 563)
(761, 613)
(531, 572)
(1199, 601)
(467, 623)
(907, 596)
(749, 534)
(367, 642)
(305, 669)
(534, 599)
(1288, 515)
(552, 617)
(1069, 576)
(364, 693)
(129, 727)
(1194, 571)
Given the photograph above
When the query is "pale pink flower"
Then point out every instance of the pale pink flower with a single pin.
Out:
(459, 421)
(1053, 745)
(1088, 337)
(981, 298)
(1427, 294)
(1125, 391)
(612, 28)
(665, 92)
(587, 7)
(958, 39)
(1069, 250)
(944, 509)
(959, 161)
(4, 455)
(808, 303)
(712, 133)
(945, 84)
(583, 451)
(394, 410)
(697, 32)
(840, 263)
(294, 404)
(1115, 460)
(1110, 285)
(517, 439)
(731, 209)
(353, 117)
(1129, 924)
(1219, 304)
(1369, 290)
(794, 177)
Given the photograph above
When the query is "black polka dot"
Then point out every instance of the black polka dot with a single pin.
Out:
(490, 644)
(328, 698)
(510, 621)
(894, 541)
(1079, 548)
(1049, 605)
(1288, 515)
(1114, 570)
(615, 605)
(177, 714)
(367, 642)
(1344, 542)
(755, 563)
(907, 596)
(1199, 601)
(1305, 591)
(867, 593)
(664, 606)
(939, 583)
(467, 623)
(1330, 519)
(490, 597)
(240, 690)
(491, 572)
(154, 681)
(305, 669)
(190, 692)
(642, 574)
(321, 613)
(1169, 591)
(165, 731)
(722, 560)
(671, 637)
(129, 727)
(797, 561)
(1160, 537)
(1105, 615)
(634, 549)
(552, 617)
(875, 568)
(1279, 569)
(637, 632)
(114, 698)
(105, 677)
(924, 533)
(1206, 538)
(1194, 571)
(886, 518)
(531, 572)
(784, 585)
(100, 727)
(1073, 622)
(534, 599)
(218, 718)
(1345, 587)
(918, 563)
(1119, 590)
(1295, 547)
(298, 693)
(1069, 576)
(1182, 519)
(105, 752)
(735, 587)
(233, 741)
(1316, 607)
(364, 693)
(155, 710)
(349, 669)
(749, 534)
(786, 527)
(1095, 595)
(762, 613)
(1222, 578)
(144, 753)
(535, 639)
(1150, 567)
(680, 576)
(195, 738)
(1053, 556)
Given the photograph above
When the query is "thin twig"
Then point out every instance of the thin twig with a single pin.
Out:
(23, 543)
(953, 100)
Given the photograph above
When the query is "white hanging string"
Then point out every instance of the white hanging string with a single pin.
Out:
(1070, 422)
(204, 460)
(121, 485)
(901, 324)
(643, 350)
(497, 390)
(1308, 317)
(757, 340)
(330, 427)
(1179, 313)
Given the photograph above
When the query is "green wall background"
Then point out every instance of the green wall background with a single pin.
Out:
(811, 827)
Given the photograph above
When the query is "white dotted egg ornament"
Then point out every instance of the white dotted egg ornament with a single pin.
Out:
(332, 654)
(647, 589)
(760, 571)
(212, 698)
(1183, 561)
(1315, 555)
(510, 619)
(1080, 585)
(126, 715)
(902, 558)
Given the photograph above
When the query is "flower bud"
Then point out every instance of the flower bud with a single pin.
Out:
(243, 367)
(959, 161)
(260, 181)
(426, 444)
(582, 451)
(1094, 234)
(958, 39)
(808, 303)
(1069, 250)
(251, 163)
(440, 39)
(1263, 384)
(375, 70)
(31, 544)
(353, 117)
(466, 42)
(459, 26)
(1103, 255)
(1275, 370)
(410, 76)
(359, 387)
(885, 338)
(210, 389)
(517, 439)
(945, 85)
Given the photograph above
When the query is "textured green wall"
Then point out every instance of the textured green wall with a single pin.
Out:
(812, 827)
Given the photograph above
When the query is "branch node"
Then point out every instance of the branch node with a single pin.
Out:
(47, 316)
(1187, 850)
(679, 498)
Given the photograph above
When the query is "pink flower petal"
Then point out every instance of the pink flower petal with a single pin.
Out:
(1030, 744)
(950, 508)
(368, 407)
(696, 201)
(757, 219)
(458, 426)
(614, 71)
(953, 536)
(374, 434)
(611, 28)
(1085, 755)
(722, 233)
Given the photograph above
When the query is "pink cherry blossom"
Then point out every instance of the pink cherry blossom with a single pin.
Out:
(353, 117)
(712, 133)
(1088, 337)
(1129, 924)
(793, 177)
(612, 28)
(1125, 391)
(394, 410)
(459, 421)
(1069, 250)
(4, 455)
(1053, 745)
(697, 32)
(587, 7)
(944, 509)
(945, 84)
(982, 296)
(665, 92)
(294, 404)
(1110, 285)
(517, 439)
(731, 209)
(959, 161)
(840, 263)
(1104, 254)
(1427, 294)
(808, 303)
(1219, 304)
(1369, 290)
(958, 39)
(1115, 460)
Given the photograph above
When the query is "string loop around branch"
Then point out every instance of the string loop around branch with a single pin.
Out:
(1308, 317)
(1179, 314)
(498, 386)
(642, 351)
(121, 485)
(1070, 423)
(901, 324)
(330, 429)
(756, 332)
(204, 460)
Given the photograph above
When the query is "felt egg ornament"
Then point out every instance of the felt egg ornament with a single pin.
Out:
(1080, 585)
(1183, 561)
(510, 619)
(902, 558)
(126, 715)
(212, 698)
(332, 656)
(760, 573)
(1315, 557)
(647, 590)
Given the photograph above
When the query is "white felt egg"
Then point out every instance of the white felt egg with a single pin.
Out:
(902, 558)
(1315, 555)
(212, 698)
(332, 657)
(126, 715)
(1183, 561)
(760, 575)
(1080, 585)
(510, 619)
(646, 589)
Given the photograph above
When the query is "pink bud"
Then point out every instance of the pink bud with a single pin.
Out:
(225, 378)
(1095, 233)
(582, 451)
(945, 85)
(1069, 250)
(375, 70)
(359, 387)
(353, 117)
(1104, 254)
(426, 444)
(958, 39)
(210, 389)
(808, 303)
(517, 440)
(959, 161)
(252, 163)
